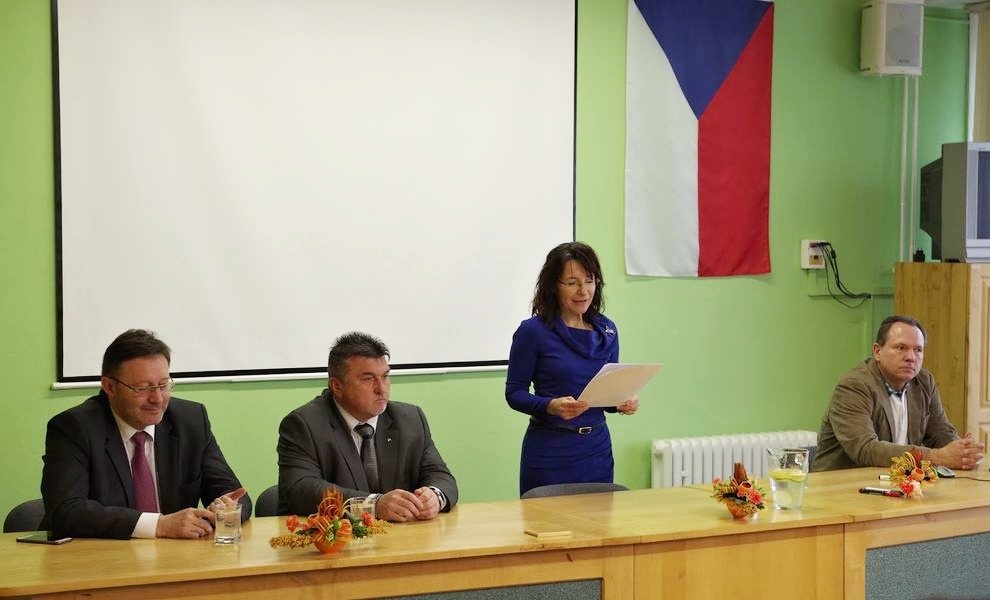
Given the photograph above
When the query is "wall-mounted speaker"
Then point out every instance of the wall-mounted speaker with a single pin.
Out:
(890, 42)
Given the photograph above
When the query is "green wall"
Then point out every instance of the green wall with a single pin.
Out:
(740, 354)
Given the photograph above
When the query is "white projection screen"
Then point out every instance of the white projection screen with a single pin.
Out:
(252, 178)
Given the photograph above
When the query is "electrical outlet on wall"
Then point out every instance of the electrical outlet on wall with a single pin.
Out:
(812, 255)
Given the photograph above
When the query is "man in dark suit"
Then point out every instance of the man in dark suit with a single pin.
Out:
(888, 405)
(92, 462)
(319, 445)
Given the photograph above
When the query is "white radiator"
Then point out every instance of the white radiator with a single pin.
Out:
(686, 461)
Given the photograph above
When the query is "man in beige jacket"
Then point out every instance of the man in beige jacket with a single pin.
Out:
(888, 405)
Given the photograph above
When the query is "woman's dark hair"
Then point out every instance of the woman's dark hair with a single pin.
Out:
(133, 343)
(546, 302)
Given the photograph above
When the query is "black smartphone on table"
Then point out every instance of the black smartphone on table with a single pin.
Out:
(43, 537)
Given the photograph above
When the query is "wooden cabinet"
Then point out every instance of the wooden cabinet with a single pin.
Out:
(952, 301)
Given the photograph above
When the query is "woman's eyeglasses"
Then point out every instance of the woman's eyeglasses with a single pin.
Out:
(573, 284)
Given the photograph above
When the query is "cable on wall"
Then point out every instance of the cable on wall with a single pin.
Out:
(842, 294)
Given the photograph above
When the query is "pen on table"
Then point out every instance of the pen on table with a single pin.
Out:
(881, 491)
(884, 477)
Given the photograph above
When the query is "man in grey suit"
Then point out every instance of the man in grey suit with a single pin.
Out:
(92, 478)
(889, 405)
(319, 445)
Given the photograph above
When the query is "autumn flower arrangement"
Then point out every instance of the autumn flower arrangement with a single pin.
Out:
(909, 472)
(330, 528)
(740, 494)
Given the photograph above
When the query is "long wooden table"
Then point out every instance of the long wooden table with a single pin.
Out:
(659, 543)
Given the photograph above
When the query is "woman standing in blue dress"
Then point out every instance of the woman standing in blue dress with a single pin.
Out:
(559, 350)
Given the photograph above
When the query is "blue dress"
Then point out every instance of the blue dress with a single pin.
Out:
(560, 361)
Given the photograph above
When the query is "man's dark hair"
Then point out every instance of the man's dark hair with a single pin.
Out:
(546, 300)
(891, 320)
(351, 344)
(133, 343)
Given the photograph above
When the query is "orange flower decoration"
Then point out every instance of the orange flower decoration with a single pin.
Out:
(330, 527)
(908, 472)
(742, 495)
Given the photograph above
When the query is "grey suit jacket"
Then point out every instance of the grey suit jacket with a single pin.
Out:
(86, 479)
(316, 450)
(857, 428)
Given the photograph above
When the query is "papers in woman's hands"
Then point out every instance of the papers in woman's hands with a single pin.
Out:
(615, 383)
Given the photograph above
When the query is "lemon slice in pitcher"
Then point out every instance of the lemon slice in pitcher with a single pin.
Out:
(796, 475)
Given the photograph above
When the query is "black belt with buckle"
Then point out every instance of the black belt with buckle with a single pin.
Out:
(585, 430)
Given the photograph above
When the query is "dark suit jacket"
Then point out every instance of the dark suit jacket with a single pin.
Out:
(316, 450)
(86, 481)
(857, 428)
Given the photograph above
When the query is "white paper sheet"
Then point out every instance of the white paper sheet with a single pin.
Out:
(616, 382)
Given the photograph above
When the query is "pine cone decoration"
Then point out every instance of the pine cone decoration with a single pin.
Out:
(739, 473)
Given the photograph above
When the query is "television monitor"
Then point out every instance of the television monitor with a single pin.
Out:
(964, 202)
(930, 205)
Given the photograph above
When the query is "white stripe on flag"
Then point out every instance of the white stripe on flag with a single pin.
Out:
(661, 162)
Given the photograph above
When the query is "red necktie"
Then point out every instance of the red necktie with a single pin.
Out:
(144, 485)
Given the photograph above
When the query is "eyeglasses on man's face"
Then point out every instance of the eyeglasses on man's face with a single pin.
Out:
(147, 389)
(573, 284)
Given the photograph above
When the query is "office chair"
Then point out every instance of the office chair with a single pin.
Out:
(26, 516)
(267, 504)
(566, 489)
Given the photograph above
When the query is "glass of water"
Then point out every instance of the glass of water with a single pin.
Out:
(358, 507)
(227, 529)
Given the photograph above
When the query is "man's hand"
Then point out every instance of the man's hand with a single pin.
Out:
(400, 506)
(566, 407)
(228, 500)
(430, 501)
(965, 453)
(187, 523)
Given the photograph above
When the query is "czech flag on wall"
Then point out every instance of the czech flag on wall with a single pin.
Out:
(698, 137)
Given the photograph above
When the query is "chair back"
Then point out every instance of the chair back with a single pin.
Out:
(26, 516)
(567, 489)
(267, 504)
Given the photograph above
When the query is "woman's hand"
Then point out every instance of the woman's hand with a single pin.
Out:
(629, 407)
(566, 407)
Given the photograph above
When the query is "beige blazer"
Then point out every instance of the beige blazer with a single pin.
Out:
(856, 430)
